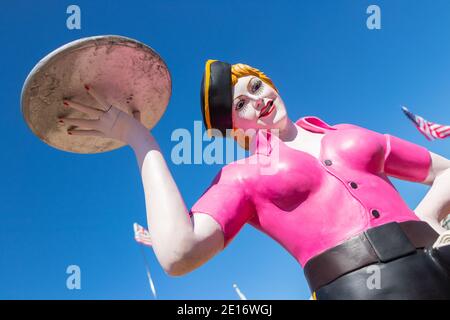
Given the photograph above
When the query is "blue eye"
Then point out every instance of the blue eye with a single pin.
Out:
(240, 105)
(256, 86)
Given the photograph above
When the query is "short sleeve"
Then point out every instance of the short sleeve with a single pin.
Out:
(406, 160)
(226, 201)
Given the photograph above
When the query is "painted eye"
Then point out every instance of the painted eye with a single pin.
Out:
(256, 85)
(240, 104)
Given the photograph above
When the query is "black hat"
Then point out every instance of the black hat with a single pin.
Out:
(216, 95)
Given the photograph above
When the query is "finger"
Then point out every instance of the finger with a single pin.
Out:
(83, 108)
(85, 133)
(87, 123)
(98, 97)
(137, 115)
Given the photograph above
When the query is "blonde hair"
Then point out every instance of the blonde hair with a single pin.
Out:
(240, 70)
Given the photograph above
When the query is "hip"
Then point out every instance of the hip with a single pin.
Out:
(392, 261)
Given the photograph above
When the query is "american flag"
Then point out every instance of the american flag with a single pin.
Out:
(142, 235)
(429, 129)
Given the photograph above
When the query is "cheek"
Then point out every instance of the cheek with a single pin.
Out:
(268, 92)
(243, 118)
(248, 113)
(280, 106)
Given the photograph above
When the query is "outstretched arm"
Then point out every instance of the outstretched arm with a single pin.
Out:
(435, 206)
(181, 243)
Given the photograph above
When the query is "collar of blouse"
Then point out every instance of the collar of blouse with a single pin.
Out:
(262, 143)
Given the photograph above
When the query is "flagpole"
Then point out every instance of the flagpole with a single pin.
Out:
(150, 281)
(239, 293)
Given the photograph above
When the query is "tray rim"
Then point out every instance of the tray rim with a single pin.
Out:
(80, 44)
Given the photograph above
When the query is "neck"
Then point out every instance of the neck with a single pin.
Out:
(289, 132)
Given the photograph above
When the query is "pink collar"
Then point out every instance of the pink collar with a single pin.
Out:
(263, 142)
(314, 124)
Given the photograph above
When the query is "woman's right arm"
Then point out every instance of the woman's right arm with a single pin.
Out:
(181, 243)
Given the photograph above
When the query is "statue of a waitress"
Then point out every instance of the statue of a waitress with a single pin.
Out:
(330, 202)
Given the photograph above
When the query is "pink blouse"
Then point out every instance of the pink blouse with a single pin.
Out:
(310, 204)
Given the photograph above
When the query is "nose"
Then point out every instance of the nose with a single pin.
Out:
(260, 103)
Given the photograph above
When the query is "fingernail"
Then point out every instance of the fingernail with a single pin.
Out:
(86, 87)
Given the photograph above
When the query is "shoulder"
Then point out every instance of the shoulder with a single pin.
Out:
(346, 126)
(347, 131)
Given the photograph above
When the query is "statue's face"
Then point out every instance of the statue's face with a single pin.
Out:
(256, 105)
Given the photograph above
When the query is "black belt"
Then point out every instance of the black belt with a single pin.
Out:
(380, 244)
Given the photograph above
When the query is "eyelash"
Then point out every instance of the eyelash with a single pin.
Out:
(243, 108)
(258, 91)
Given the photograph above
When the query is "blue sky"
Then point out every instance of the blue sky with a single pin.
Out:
(59, 209)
